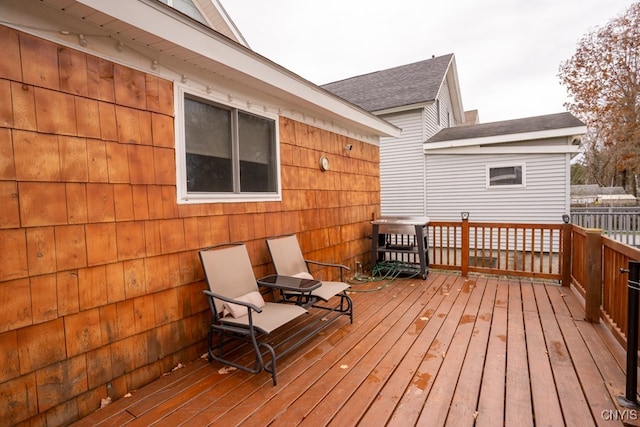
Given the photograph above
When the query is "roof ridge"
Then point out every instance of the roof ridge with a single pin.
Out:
(409, 84)
(397, 67)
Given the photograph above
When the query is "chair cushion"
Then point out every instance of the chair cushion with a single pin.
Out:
(273, 316)
(237, 310)
(327, 289)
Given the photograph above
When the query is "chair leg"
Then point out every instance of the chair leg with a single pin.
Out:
(211, 356)
(349, 303)
(258, 363)
(271, 366)
(209, 350)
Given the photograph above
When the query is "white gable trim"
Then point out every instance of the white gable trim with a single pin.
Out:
(454, 91)
(215, 13)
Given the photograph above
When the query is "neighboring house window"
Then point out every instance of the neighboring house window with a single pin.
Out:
(506, 176)
(224, 154)
(448, 119)
(438, 111)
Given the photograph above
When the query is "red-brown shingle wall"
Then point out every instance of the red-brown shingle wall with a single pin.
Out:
(100, 281)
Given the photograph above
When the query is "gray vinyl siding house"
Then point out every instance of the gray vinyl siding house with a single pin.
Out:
(421, 99)
(450, 192)
(402, 188)
(459, 163)
(440, 165)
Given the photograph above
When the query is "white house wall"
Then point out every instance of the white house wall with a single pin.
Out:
(431, 126)
(402, 167)
(457, 183)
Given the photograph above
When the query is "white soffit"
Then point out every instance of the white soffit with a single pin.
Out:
(156, 27)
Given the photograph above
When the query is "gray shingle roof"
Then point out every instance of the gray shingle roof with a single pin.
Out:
(507, 127)
(395, 87)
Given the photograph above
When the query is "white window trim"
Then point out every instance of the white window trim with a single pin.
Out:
(181, 170)
(506, 165)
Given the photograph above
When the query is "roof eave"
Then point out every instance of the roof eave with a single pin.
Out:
(497, 150)
(201, 47)
(211, 45)
(513, 137)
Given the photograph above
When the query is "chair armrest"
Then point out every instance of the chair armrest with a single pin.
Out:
(327, 264)
(342, 267)
(233, 301)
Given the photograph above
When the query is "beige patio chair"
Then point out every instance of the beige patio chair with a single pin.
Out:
(288, 261)
(239, 312)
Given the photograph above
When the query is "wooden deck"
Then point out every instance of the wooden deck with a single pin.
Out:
(445, 351)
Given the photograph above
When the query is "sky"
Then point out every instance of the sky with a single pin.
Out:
(508, 52)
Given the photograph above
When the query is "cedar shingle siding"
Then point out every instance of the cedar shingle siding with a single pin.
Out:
(100, 283)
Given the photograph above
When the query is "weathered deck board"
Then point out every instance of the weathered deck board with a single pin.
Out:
(546, 402)
(573, 402)
(410, 406)
(518, 409)
(436, 408)
(445, 351)
(464, 403)
(490, 411)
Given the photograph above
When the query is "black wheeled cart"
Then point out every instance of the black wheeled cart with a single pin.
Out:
(402, 239)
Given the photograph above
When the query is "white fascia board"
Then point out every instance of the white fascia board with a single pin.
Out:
(149, 16)
(454, 90)
(513, 137)
(224, 16)
(529, 149)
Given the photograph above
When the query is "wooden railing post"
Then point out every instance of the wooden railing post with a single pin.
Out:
(465, 244)
(593, 287)
(567, 251)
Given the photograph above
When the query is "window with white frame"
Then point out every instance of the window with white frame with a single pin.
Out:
(224, 153)
(512, 175)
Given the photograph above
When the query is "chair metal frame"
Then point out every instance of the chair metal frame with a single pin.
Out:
(255, 328)
(315, 299)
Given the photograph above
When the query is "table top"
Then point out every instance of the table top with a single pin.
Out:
(401, 220)
(289, 283)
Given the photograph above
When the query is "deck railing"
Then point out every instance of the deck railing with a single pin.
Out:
(599, 273)
(532, 250)
(585, 258)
